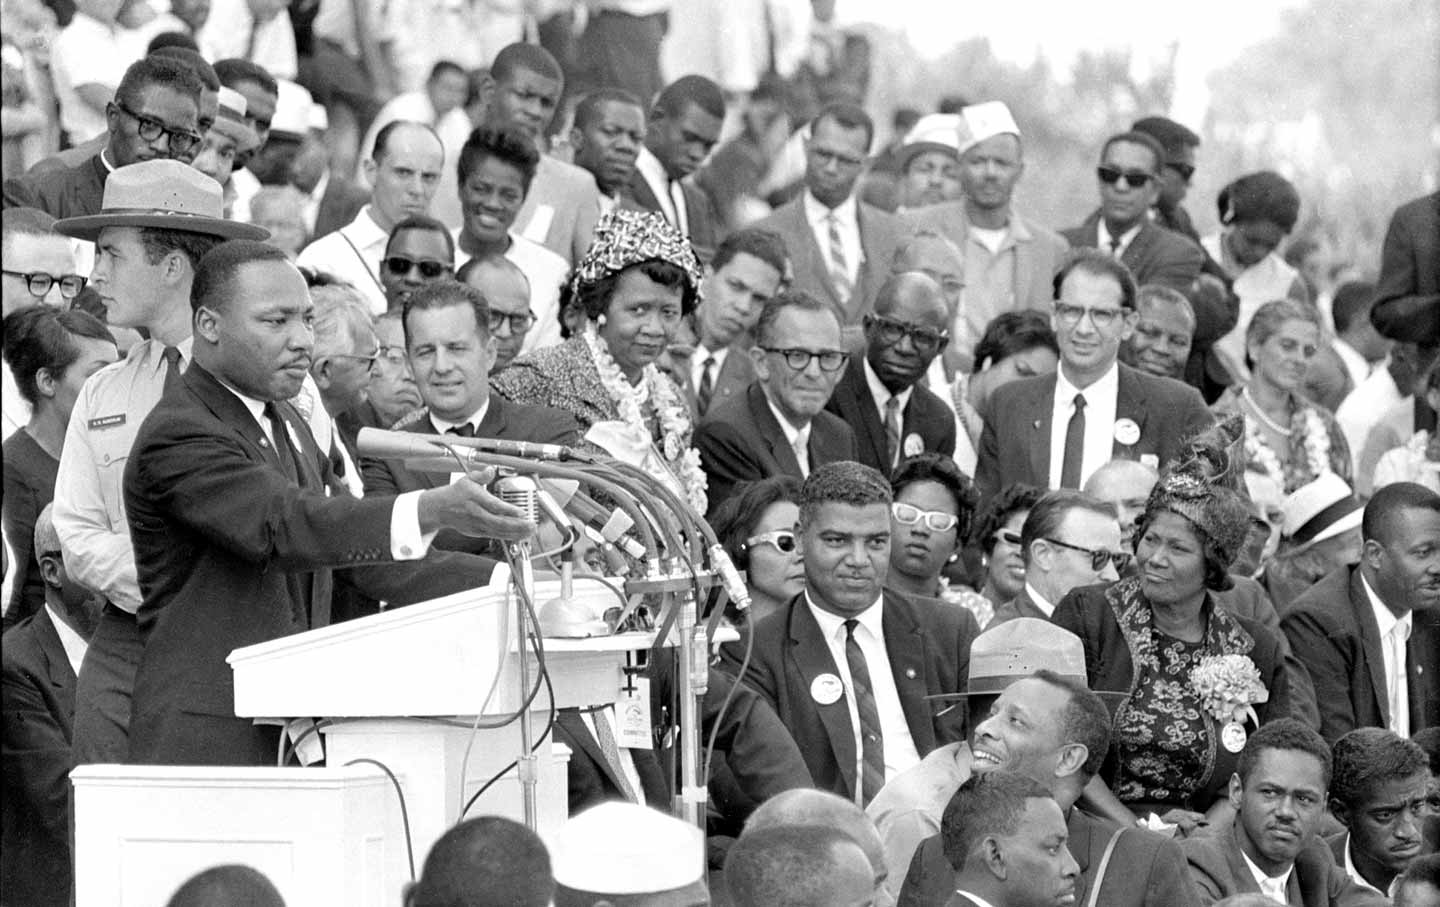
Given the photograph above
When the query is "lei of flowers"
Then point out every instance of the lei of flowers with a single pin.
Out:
(670, 409)
(1228, 687)
(1309, 430)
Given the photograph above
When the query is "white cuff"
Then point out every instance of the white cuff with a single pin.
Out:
(406, 541)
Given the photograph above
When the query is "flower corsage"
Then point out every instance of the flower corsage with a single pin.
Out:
(1229, 686)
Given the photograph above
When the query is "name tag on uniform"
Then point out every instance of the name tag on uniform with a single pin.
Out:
(107, 421)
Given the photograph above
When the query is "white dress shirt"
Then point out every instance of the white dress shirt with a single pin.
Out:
(1394, 634)
(1272, 887)
(1103, 238)
(545, 271)
(444, 425)
(1040, 601)
(797, 438)
(667, 192)
(1100, 405)
(697, 364)
(353, 254)
(900, 752)
(1358, 879)
(73, 643)
(847, 221)
(881, 395)
(1354, 363)
(310, 211)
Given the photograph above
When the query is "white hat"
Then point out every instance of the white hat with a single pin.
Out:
(979, 122)
(230, 120)
(624, 848)
(1320, 510)
(932, 132)
(293, 107)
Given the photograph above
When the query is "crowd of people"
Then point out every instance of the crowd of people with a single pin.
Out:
(1096, 565)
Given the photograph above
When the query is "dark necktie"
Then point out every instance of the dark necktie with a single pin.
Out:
(462, 431)
(871, 742)
(892, 430)
(172, 370)
(1074, 446)
(280, 437)
(707, 386)
(1115, 242)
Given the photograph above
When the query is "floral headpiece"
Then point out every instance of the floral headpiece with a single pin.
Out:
(624, 238)
(1205, 486)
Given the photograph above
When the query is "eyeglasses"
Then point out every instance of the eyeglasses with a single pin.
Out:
(783, 540)
(1186, 171)
(1070, 315)
(935, 520)
(400, 266)
(39, 283)
(370, 361)
(891, 332)
(181, 141)
(395, 355)
(1098, 556)
(1135, 179)
(1008, 537)
(799, 360)
(519, 322)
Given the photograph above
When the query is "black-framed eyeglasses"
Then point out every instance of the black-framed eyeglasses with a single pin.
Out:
(40, 282)
(519, 322)
(1098, 556)
(1070, 315)
(395, 355)
(783, 540)
(890, 332)
(1135, 179)
(799, 360)
(180, 141)
(1008, 537)
(400, 266)
(1185, 170)
(935, 520)
(370, 361)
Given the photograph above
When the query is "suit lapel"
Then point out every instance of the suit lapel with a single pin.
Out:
(1235, 860)
(1081, 828)
(423, 426)
(814, 257)
(1138, 252)
(640, 191)
(810, 657)
(858, 399)
(57, 664)
(771, 432)
(736, 373)
(1041, 404)
(905, 644)
(228, 409)
(1129, 404)
(1370, 640)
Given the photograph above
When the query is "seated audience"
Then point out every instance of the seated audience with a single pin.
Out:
(998, 531)
(1378, 793)
(392, 393)
(1164, 329)
(1069, 540)
(1124, 485)
(39, 263)
(227, 886)
(798, 866)
(1015, 345)
(487, 860)
(1005, 835)
(757, 529)
(929, 520)
(605, 139)
(682, 129)
(624, 855)
(1319, 535)
(507, 292)
(807, 807)
(420, 251)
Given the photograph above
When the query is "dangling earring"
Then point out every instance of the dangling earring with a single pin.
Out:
(953, 558)
(600, 320)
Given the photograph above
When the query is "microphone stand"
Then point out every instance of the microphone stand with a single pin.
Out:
(521, 490)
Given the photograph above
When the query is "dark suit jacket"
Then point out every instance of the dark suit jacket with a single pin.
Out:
(1218, 868)
(38, 710)
(60, 192)
(503, 419)
(925, 415)
(706, 226)
(1022, 605)
(592, 780)
(230, 552)
(1145, 870)
(880, 235)
(1155, 255)
(1015, 445)
(339, 205)
(1407, 300)
(1333, 633)
(736, 373)
(929, 648)
(740, 440)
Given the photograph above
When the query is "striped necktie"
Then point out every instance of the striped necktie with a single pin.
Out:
(839, 266)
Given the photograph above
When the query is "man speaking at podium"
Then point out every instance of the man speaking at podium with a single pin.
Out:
(234, 534)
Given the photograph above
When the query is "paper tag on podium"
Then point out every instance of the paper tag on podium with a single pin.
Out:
(632, 717)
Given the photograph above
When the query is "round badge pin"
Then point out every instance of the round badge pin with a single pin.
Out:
(914, 445)
(1233, 736)
(826, 689)
(1127, 432)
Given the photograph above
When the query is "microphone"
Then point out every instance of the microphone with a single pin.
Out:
(399, 445)
(611, 524)
(521, 491)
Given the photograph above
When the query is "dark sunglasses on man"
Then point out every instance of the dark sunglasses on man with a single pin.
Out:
(1098, 556)
(1135, 179)
(400, 266)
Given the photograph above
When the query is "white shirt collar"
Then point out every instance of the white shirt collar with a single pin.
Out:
(1103, 237)
(880, 393)
(1261, 877)
(833, 625)
(1039, 600)
(444, 425)
(73, 643)
(1355, 875)
(979, 901)
(366, 231)
(697, 363)
(792, 434)
(1106, 387)
(1384, 617)
(846, 213)
(653, 172)
(321, 185)
(256, 407)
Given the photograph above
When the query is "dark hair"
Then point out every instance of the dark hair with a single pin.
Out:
(422, 222)
(589, 107)
(171, 39)
(1353, 299)
(158, 243)
(43, 336)
(766, 245)
(1263, 196)
(1421, 871)
(950, 103)
(1159, 294)
(593, 297)
(236, 70)
(1050, 511)
(1087, 721)
(1284, 734)
(1098, 264)
(1370, 756)
(1429, 741)
(1173, 137)
(486, 860)
(986, 805)
(1270, 317)
(1217, 561)
(162, 70)
(382, 138)
(1014, 332)
(446, 66)
(217, 270)
(847, 116)
(735, 519)
(845, 482)
(1012, 499)
(790, 299)
(692, 89)
(502, 143)
(1299, 249)
(1386, 504)
(1134, 137)
(225, 885)
(441, 294)
(189, 56)
(784, 865)
(529, 57)
(938, 468)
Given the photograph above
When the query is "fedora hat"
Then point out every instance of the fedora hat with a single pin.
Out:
(1321, 509)
(932, 132)
(1016, 649)
(165, 194)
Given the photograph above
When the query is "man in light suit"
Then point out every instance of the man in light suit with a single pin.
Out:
(778, 426)
(233, 532)
(1038, 432)
(1129, 180)
(847, 666)
(881, 395)
(1349, 628)
(1005, 835)
(840, 247)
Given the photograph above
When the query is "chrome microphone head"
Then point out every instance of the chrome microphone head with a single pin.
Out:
(520, 491)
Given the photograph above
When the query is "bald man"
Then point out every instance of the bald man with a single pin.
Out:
(807, 806)
(507, 290)
(797, 866)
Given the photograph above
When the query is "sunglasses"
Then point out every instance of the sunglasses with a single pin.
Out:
(39, 283)
(935, 520)
(1098, 556)
(782, 539)
(1135, 179)
(400, 266)
(890, 332)
(1186, 171)
(1008, 537)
